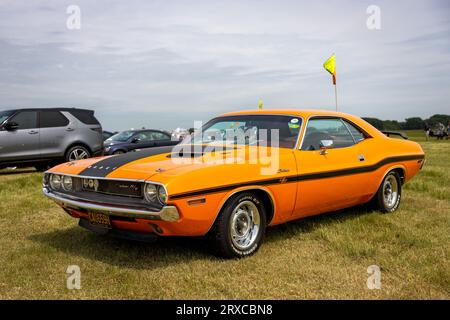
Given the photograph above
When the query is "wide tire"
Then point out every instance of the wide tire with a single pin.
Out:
(240, 228)
(77, 153)
(389, 193)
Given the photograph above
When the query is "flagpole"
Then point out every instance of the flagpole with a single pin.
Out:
(335, 96)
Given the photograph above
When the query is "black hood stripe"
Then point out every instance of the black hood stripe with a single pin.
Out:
(104, 167)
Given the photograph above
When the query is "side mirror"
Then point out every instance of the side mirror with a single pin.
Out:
(135, 140)
(11, 126)
(324, 145)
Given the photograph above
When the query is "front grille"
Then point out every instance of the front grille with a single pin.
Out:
(112, 187)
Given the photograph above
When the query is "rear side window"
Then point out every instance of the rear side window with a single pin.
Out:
(25, 120)
(87, 117)
(356, 133)
(321, 129)
(159, 136)
(52, 118)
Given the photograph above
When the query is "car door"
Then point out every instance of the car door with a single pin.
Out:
(142, 140)
(22, 142)
(328, 178)
(54, 128)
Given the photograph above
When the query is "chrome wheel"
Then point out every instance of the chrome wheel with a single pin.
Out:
(245, 225)
(390, 191)
(78, 154)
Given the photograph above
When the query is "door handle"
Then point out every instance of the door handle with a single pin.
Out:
(32, 132)
(361, 157)
(69, 129)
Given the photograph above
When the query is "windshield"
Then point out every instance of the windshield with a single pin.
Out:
(122, 136)
(5, 115)
(266, 130)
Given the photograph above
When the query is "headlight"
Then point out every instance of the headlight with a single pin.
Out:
(162, 194)
(55, 181)
(150, 192)
(67, 183)
(155, 193)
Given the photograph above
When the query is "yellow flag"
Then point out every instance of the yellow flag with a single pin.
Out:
(260, 104)
(330, 67)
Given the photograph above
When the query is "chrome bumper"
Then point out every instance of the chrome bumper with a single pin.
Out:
(167, 213)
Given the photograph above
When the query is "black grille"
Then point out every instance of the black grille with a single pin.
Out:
(112, 187)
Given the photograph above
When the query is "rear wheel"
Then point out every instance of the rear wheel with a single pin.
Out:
(240, 227)
(389, 193)
(77, 153)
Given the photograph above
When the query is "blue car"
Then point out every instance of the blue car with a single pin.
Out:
(131, 140)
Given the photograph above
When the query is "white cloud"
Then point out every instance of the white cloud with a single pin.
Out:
(185, 59)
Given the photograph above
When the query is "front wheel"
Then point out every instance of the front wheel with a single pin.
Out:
(389, 193)
(240, 227)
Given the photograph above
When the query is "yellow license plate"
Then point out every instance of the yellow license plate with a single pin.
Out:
(99, 219)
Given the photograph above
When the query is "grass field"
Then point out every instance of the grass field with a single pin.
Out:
(319, 257)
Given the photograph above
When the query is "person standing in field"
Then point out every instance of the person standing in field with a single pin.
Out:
(427, 132)
(440, 131)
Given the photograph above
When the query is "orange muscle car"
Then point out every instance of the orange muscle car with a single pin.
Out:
(238, 174)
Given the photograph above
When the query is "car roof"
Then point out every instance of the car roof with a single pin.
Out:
(53, 109)
(292, 112)
(143, 130)
(306, 113)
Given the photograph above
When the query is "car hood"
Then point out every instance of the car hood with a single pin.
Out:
(167, 166)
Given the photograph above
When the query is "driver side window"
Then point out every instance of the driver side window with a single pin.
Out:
(25, 120)
(320, 129)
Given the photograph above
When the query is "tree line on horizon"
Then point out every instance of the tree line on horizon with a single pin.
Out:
(414, 123)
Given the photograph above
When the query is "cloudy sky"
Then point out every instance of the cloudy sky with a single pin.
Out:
(164, 64)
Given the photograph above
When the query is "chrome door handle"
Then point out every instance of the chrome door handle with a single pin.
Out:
(32, 132)
(69, 129)
(361, 157)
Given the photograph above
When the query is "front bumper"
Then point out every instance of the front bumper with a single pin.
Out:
(167, 213)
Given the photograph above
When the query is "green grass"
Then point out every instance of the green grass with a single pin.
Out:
(320, 257)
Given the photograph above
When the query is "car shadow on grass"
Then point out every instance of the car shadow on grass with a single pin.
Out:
(310, 224)
(77, 241)
(17, 171)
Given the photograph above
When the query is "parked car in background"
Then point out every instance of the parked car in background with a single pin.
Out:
(108, 134)
(179, 134)
(43, 137)
(131, 140)
(322, 161)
